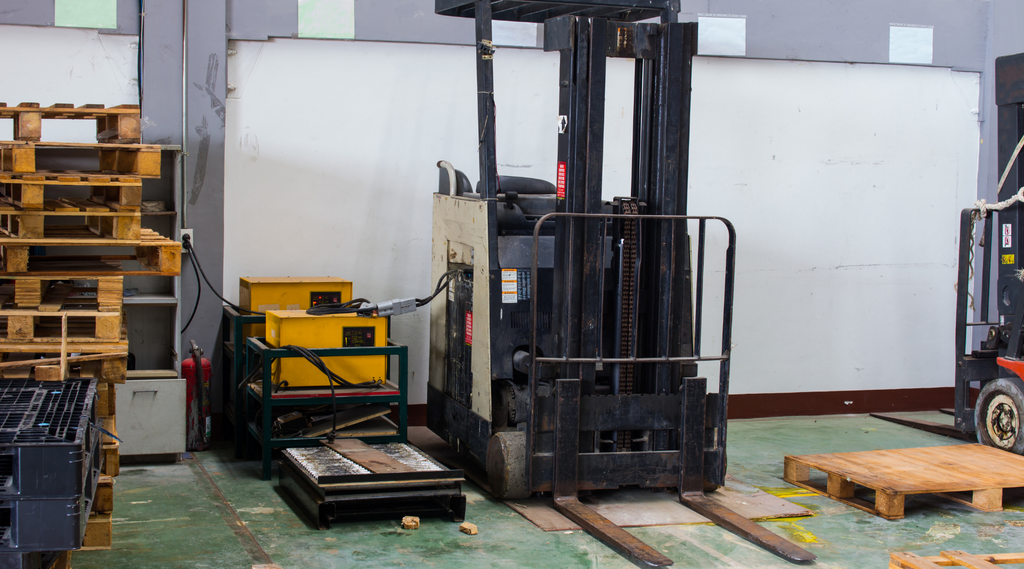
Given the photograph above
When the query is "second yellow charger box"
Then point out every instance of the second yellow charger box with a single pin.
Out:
(295, 327)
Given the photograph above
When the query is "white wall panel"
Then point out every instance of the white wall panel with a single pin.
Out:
(844, 183)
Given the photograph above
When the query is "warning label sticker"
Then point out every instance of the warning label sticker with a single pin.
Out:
(561, 180)
(509, 286)
(469, 328)
(1007, 259)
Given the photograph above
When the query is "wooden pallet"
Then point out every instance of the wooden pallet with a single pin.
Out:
(156, 254)
(142, 160)
(109, 367)
(103, 500)
(103, 221)
(97, 532)
(106, 399)
(69, 178)
(953, 559)
(982, 472)
(120, 124)
(112, 458)
(29, 292)
(44, 323)
(28, 194)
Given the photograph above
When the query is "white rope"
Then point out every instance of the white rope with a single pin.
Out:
(983, 207)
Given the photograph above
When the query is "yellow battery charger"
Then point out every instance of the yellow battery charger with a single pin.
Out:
(288, 293)
(296, 328)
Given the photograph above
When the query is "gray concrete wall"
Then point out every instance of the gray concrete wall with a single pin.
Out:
(204, 181)
(838, 30)
(40, 13)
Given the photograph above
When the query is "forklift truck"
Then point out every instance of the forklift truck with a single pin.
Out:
(989, 392)
(565, 358)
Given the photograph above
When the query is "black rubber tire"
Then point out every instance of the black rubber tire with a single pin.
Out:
(506, 465)
(998, 415)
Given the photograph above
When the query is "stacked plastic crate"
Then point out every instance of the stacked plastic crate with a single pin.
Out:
(68, 237)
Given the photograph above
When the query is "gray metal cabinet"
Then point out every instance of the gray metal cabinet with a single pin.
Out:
(151, 416)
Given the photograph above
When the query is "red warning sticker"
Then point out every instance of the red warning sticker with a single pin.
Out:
(561, 180)
(469, 328)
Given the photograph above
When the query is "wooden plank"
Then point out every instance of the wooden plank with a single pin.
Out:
(51, 361)
(111, 459)
(82, 204)
(889, 504)
(81, 145)
(70, 178)
(98, 531)
(58, 206)
(103, 501)
(368, 457)
(911, 561)
(67, 111)
(840, 486)
(75, 235)
(54, 299)
(794, 471)
(967, 560)
(347, 418)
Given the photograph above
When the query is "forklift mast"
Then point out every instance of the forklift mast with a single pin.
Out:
(996, 366)
(566, 358)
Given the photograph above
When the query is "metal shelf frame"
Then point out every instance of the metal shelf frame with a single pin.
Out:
(232, 326)
(261, 434)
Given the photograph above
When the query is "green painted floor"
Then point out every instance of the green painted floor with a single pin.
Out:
(171, 516)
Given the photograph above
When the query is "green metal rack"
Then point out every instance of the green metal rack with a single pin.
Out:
(265, 399)
(232, 327)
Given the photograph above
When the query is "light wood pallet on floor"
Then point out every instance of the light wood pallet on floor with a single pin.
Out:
(979, 471)
(953, 559)
(103, 221)
(157, 254)
(142, 160)
(120, 124)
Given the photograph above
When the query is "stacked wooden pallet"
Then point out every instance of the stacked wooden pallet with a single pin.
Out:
(68, 309)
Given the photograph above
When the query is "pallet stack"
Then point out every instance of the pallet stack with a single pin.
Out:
(68, 309)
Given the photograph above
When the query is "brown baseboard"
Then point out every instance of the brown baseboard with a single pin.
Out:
(760, 405)
(417, 414)
(757, 405)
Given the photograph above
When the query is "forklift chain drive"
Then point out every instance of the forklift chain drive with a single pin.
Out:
(626, 336)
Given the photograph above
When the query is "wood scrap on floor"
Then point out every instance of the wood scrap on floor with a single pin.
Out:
(468, 528)
(347, 418)
(410, 522)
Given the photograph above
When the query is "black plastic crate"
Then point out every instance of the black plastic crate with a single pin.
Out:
(50, 461)
(47, 444)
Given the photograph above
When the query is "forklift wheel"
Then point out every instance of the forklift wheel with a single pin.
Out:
(506, 465)
(998, 415)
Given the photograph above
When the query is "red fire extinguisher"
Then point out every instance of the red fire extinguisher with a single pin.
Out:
(197, 372)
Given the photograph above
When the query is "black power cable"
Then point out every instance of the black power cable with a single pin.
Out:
(363, 307)
(199, 293)
(186, 242)
(319, 363)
